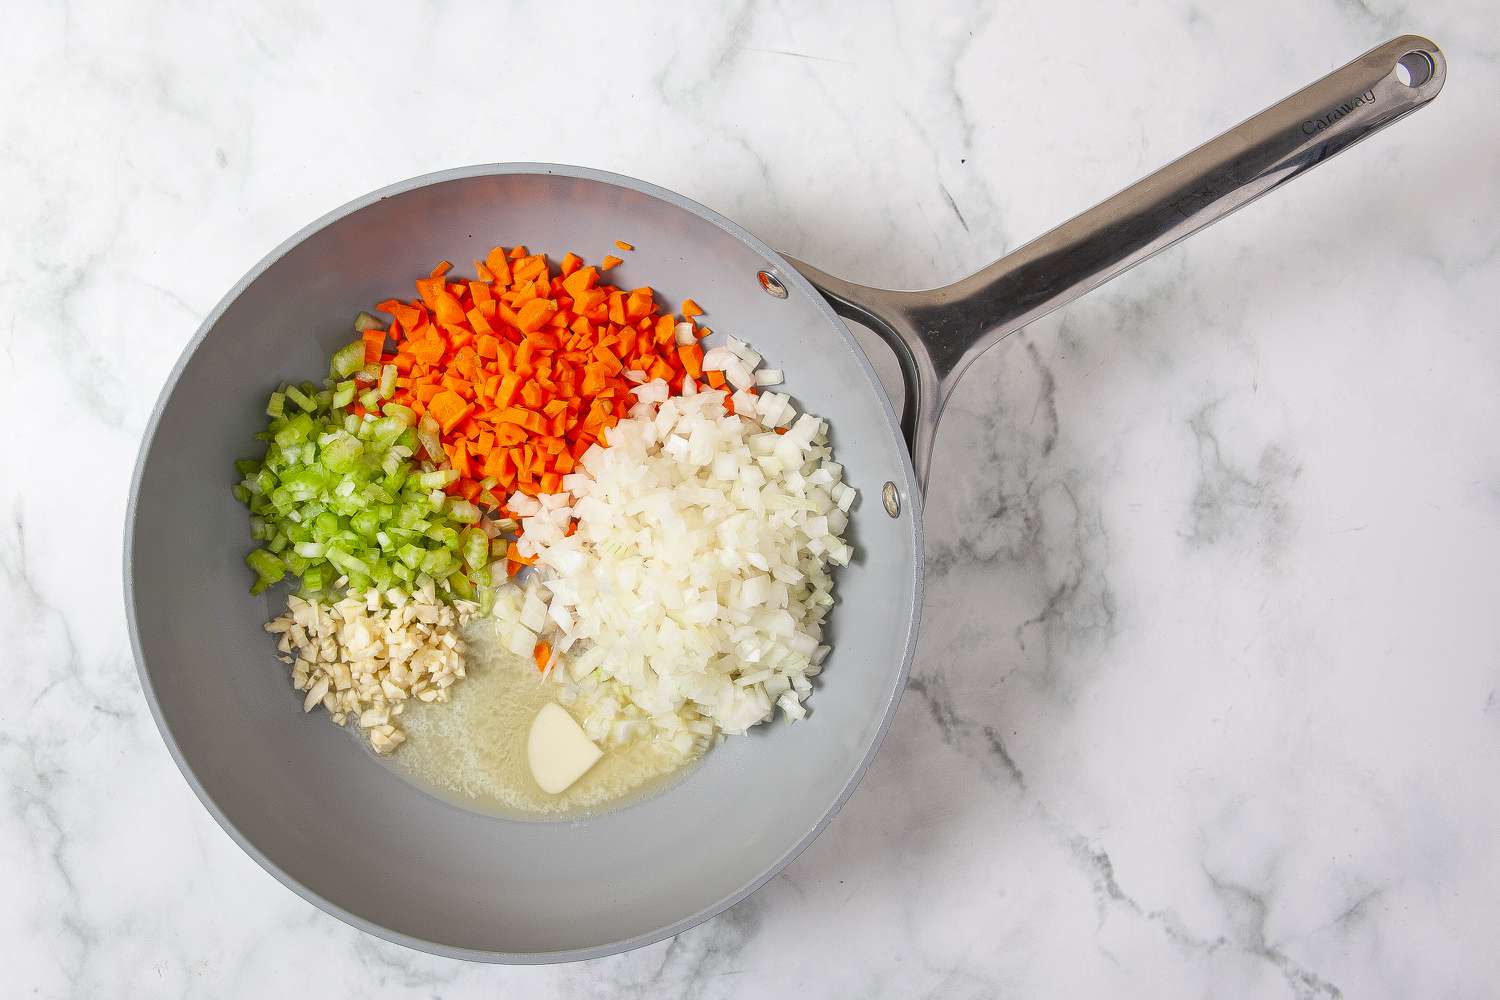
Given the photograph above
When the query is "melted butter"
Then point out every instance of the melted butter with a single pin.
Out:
(472, 750)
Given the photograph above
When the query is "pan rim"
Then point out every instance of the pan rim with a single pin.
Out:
(789, 276)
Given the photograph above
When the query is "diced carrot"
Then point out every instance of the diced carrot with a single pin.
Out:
(535, 314)
(621, 244)
(449, 409)
(666, 329)
(374, 345)
(429, 350)
(691, 309)
(610, 262)
(638, 304)
(522, 367)
(428, 289)
(579, 281)
(541, 654)
(692, 359)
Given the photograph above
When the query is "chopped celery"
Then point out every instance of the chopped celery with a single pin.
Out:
(474, 547)
(461, 585)
(462, 511)
(437, 480)
(348, 359)
(346, 501)
(364, 321)
(405, 414)
(387, 383)
(302, 399)
(268, 569)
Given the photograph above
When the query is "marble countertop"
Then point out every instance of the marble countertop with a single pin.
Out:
(1207, 699)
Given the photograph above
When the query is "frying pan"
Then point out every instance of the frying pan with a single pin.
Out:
(350, 835)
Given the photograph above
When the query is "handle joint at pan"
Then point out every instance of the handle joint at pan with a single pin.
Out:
(890, 316)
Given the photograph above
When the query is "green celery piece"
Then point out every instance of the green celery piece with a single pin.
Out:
(385, 431)
(475, 548)
(382, 575)
(461, 585)
(437, 563)
(343, 394)
(326, 525)
(347, 360)
(268, 569)
(395, 480)
(276, 406)
(345, 562)
(405, 414)
(343, 452)
(302, 399)
(462, 511)
(411, 555)
(366, 523)
(444, 535)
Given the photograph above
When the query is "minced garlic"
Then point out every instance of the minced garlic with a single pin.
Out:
(363, 657)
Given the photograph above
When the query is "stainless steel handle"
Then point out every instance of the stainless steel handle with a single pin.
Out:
(936, 333)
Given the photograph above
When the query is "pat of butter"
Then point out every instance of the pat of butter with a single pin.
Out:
(558, 750)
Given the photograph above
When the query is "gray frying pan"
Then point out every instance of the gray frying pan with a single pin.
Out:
(344, 831)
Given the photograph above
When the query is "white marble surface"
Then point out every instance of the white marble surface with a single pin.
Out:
(1207, 701)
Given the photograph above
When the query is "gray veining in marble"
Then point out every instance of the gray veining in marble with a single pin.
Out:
(1206, 697)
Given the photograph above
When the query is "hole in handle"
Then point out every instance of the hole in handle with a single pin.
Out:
(1414, 69)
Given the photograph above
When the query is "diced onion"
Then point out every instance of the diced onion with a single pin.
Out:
(687, 565)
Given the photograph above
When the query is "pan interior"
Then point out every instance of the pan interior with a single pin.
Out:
(346, 830)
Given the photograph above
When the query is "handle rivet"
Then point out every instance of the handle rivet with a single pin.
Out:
(891, 499)
(771, 284)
